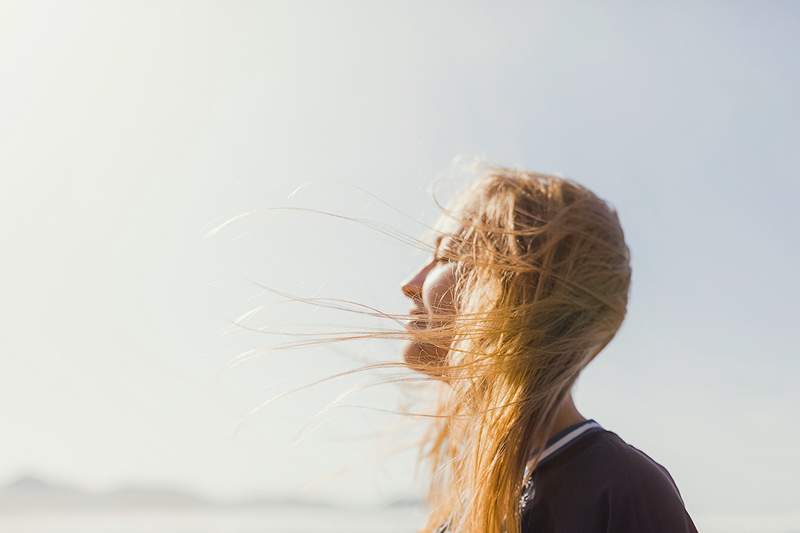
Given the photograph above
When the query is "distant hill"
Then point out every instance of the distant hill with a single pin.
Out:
(31, 493)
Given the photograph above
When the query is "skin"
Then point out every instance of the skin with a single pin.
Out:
(431, 289)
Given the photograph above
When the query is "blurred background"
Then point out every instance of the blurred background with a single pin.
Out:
(142, 145)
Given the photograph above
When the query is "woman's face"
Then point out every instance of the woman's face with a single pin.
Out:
(431, 292)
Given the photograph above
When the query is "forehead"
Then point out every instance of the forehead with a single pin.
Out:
(445, 227)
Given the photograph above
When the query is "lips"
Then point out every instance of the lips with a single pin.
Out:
(419, 323)
(415, 325)
(415, 311)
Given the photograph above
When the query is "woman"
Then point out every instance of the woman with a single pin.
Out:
(528, 282)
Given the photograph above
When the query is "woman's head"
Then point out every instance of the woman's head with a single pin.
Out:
(529, 281)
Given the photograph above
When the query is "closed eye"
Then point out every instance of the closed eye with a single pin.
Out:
(437, 247)
(442, 260)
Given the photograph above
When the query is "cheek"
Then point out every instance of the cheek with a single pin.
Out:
(437, 292)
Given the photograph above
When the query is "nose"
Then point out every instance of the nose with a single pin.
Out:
(412, 287)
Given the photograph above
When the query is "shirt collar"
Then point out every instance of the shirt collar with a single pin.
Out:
(563, 438)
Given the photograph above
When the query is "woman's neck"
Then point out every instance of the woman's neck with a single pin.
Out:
(567, 416)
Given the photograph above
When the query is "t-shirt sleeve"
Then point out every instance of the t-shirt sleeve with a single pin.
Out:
(647, 501)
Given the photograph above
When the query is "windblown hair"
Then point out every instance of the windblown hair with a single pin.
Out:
(543, 276)
(542, 281)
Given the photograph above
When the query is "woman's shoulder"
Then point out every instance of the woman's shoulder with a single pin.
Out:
(625, 489)
(629, 469)
(640, 493)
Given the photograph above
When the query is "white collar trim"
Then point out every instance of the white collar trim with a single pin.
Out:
(566, 439)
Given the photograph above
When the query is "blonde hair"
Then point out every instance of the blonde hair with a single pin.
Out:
(542, 287)
(542, 280)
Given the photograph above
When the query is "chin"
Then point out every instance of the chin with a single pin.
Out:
(422, 354)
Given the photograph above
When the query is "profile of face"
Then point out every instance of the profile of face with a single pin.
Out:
(431, 292)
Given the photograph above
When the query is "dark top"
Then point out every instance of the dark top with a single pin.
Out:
(592, 481)
(589, 480)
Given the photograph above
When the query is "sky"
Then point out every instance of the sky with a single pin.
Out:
(130, 131)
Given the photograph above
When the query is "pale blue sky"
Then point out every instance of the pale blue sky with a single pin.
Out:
(129, 130)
